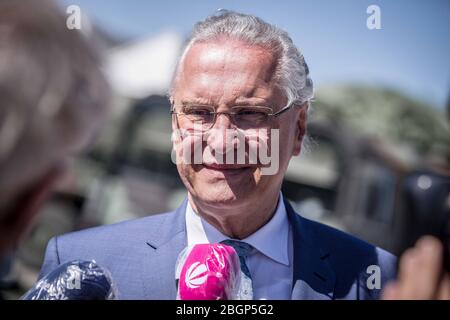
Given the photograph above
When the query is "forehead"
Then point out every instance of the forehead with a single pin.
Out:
(227, 69)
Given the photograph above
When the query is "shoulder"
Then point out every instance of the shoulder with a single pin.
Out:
(356, 263)
(112, 240)
(334, 240)
(130, 229)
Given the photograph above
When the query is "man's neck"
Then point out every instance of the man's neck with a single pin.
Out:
(237, 222)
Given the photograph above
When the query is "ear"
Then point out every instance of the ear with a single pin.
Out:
(300, 128)
(174, 123)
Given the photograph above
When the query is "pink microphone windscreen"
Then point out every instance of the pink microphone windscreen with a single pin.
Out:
(208, 272)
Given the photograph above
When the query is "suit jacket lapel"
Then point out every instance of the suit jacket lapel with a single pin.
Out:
(165, 242)
(313, 277)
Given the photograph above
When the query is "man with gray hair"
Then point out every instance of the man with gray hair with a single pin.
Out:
(52, 96)
(241, 84)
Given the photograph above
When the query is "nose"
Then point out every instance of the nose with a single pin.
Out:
(220, 137)
(223, 120)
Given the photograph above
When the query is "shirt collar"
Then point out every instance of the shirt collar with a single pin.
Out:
(271, 239)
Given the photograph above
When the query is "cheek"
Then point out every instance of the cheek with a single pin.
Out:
(188, 150)
(188, 177)
(265, 183)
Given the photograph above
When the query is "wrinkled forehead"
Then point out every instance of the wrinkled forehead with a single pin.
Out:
(227, 69)
(232, 56)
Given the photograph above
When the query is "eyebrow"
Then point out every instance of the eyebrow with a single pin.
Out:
(239, 102)
(251, 102)
(192, 101)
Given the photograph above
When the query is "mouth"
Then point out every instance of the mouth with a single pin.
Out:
(226, 169)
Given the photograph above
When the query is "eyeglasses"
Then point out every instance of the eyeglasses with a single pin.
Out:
(244, 117)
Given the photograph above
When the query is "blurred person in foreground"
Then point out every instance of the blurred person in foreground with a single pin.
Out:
(52, 96)
(236, 73)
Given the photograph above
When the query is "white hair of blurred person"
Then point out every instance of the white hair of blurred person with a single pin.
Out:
(291, 74)
(52, 95)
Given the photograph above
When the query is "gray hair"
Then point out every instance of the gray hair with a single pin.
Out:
(291, 73)
(52, 93)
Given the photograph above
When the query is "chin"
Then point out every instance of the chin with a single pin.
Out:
(220, 195)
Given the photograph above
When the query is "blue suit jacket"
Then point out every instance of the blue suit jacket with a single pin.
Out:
(141, 256)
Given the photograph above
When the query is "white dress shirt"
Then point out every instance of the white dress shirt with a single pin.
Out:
(270, 265)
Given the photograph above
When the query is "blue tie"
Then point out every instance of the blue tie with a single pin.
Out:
(243, 249)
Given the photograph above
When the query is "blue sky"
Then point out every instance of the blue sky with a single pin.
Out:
(410, 53)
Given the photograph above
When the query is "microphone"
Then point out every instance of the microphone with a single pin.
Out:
(75, 280)
(208, 272)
